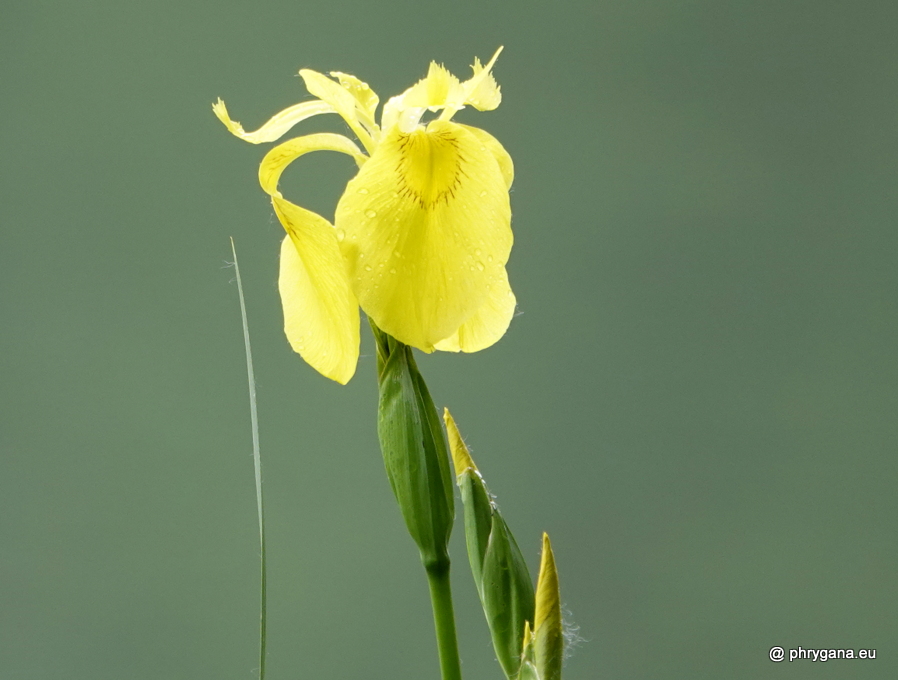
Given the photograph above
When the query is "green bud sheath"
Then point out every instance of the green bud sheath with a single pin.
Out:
(414, 449)
(500, 573)
(548, 639)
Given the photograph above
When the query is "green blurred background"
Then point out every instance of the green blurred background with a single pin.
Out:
(697, 401)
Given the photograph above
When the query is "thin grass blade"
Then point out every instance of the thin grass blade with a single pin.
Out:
(257, 464)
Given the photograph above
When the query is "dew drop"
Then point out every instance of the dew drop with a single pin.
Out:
(370, 213)
(477, 252)
(381, 264)
(489, 258)
(482, 194)
(341, 235)
(363, 191)
(367, 267)
(480, 266)
(393, 270)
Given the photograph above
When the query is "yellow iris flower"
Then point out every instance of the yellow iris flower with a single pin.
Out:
(422, 232)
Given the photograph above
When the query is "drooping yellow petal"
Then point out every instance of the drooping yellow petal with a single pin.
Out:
(321, 315)
(277, 125)
(489, 322)
(424, 225)
(278, 158)
(340, 99)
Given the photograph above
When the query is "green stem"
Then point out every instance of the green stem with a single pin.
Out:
(444, 618)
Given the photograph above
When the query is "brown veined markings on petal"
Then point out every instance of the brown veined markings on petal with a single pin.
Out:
(426, 226)
(430, 167)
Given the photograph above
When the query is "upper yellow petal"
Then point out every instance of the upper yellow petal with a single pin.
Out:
(481, 90)
(343, 101)
(425, 228)
(277, 125)
(366, 99)
(435, 90)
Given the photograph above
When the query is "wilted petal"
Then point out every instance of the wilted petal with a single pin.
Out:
(426, 224)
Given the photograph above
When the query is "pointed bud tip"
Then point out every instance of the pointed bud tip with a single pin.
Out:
(548, 601)
(461, 457)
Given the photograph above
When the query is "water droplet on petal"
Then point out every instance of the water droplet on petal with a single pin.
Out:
(480, 266)
(367, 267)
(371, 213)
(393, 270)
(477, 252)
(482, 194)
(489, 258)
(341, 235)
(363, 191)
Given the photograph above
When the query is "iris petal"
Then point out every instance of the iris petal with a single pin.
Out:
(489, 322)
(341, 99)
(506, 165)
(321, 313)
(425, 224)
(276, 126)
